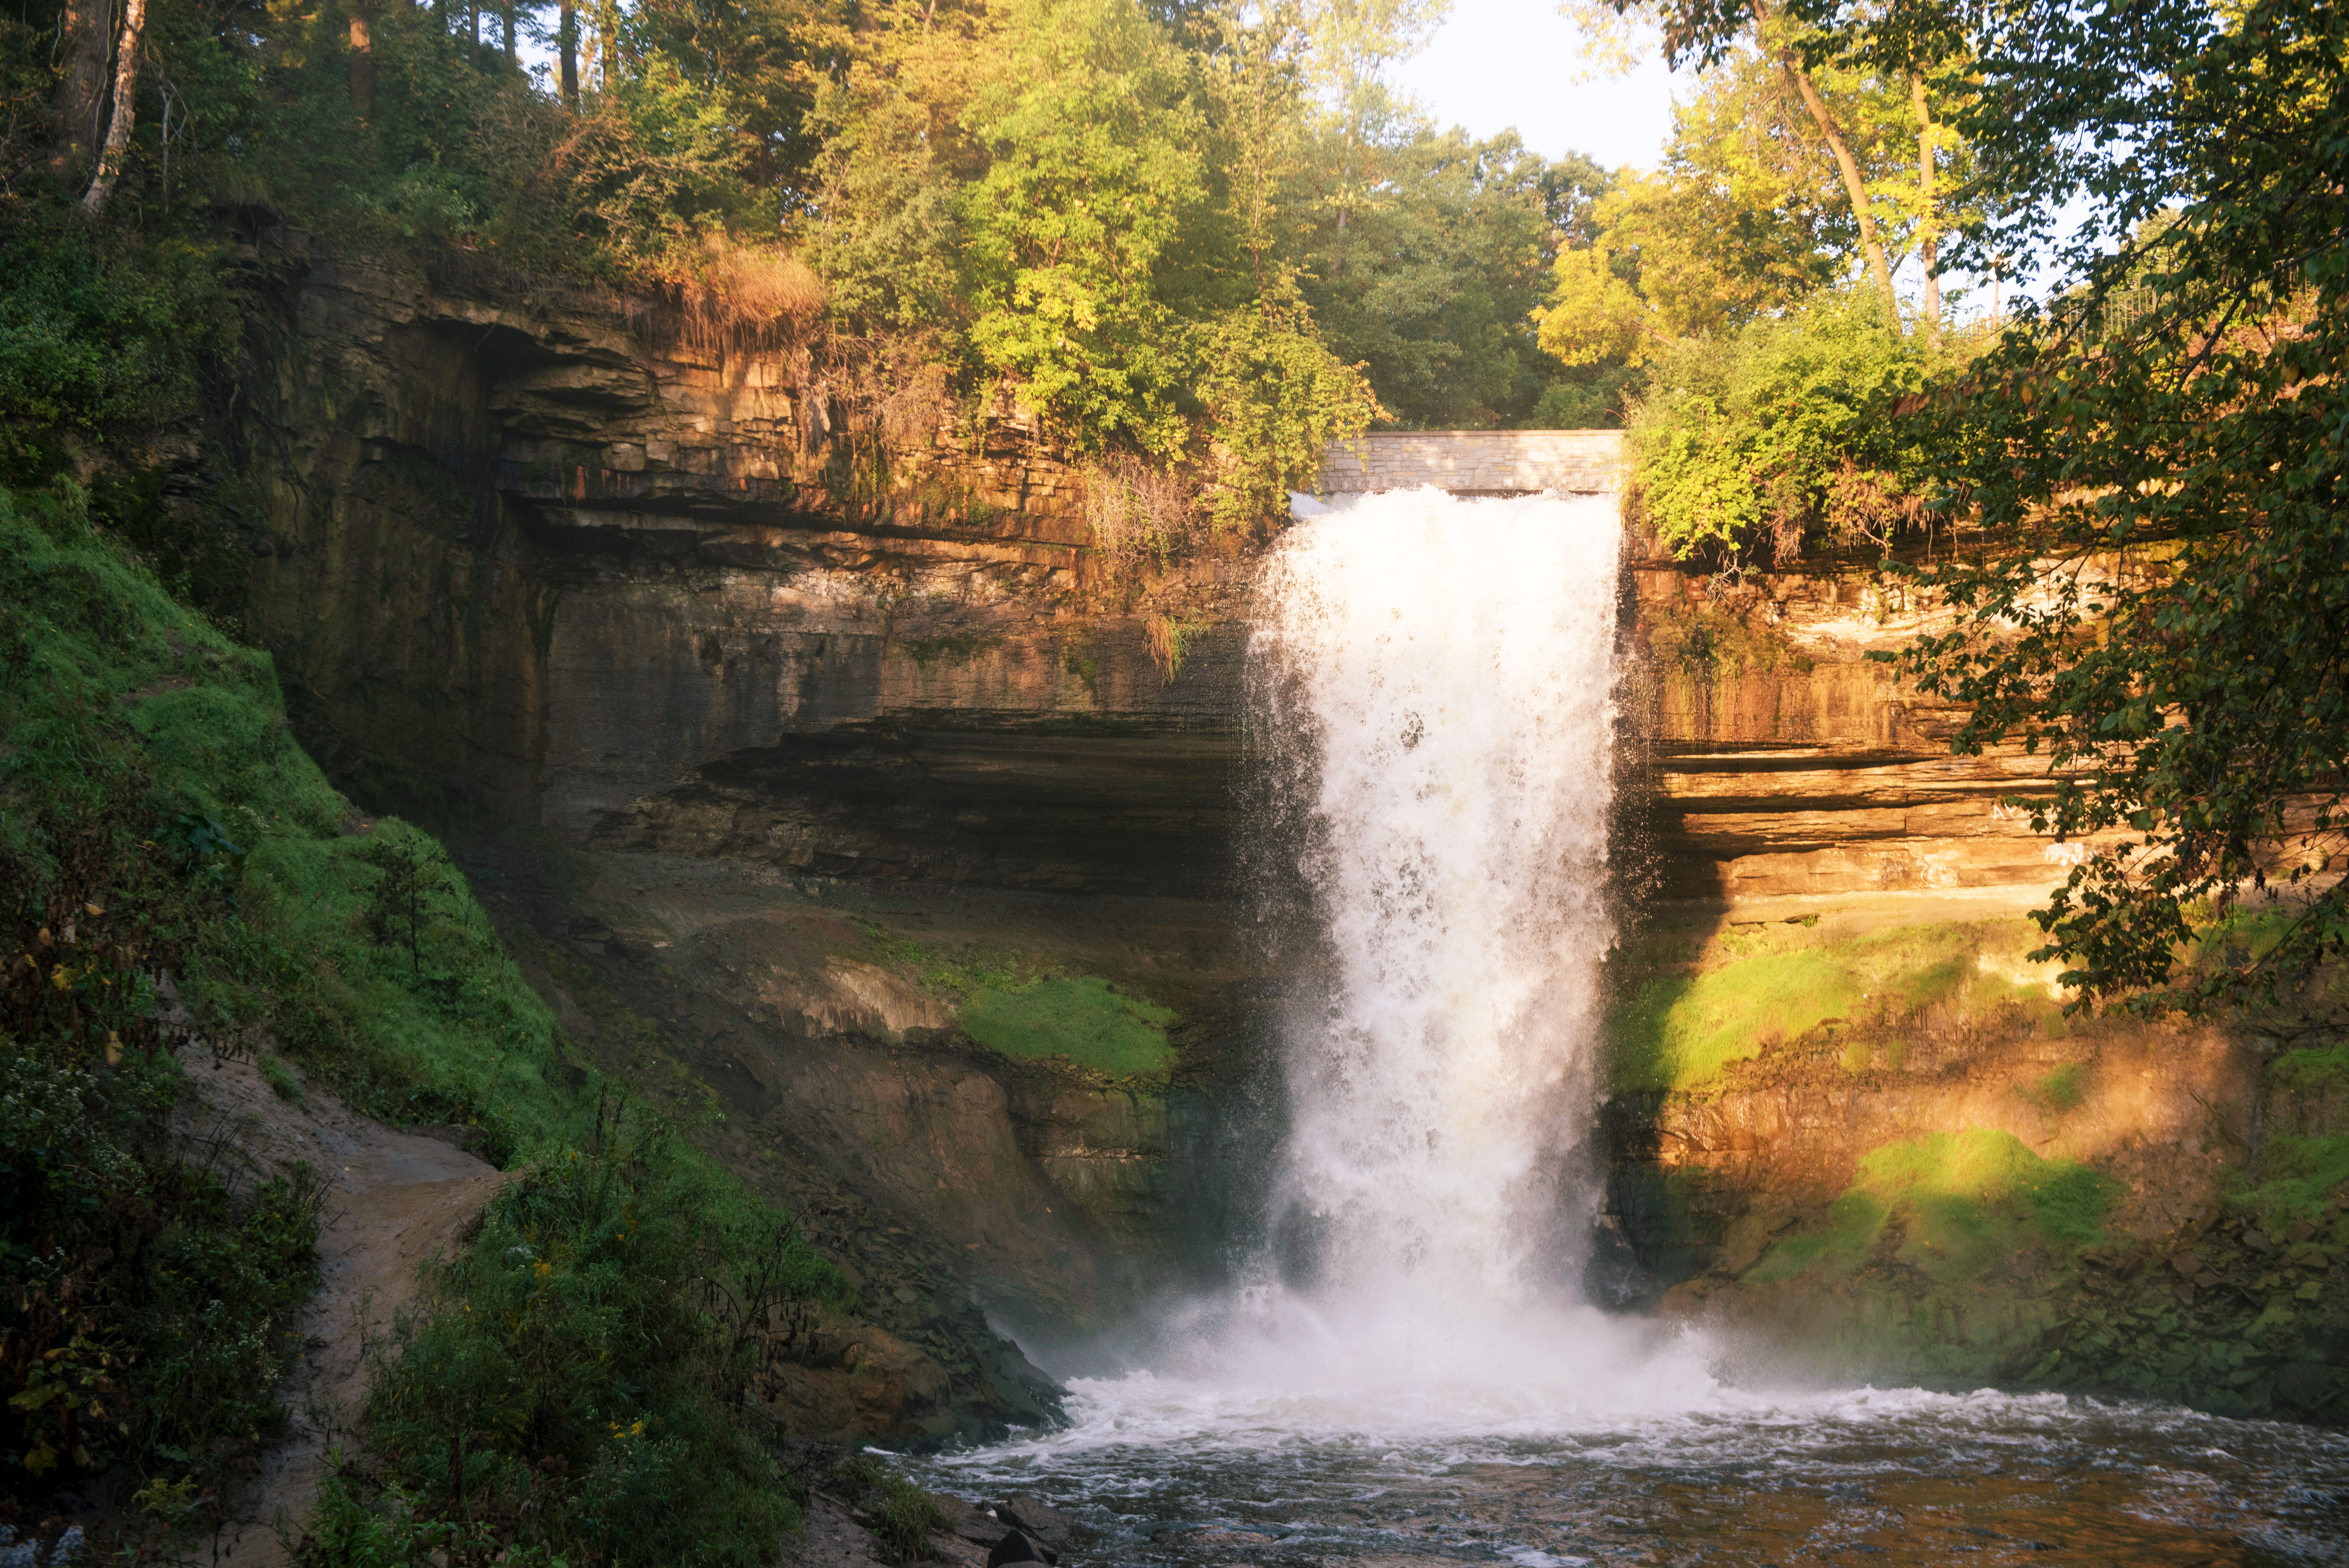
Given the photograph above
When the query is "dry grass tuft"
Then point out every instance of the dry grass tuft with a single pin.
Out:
(740, 298)
(1170, 639)
(1141, 517)
(747, 296)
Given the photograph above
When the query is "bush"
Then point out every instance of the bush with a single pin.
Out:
(576, 1389)
(901, 1513)
(98, 326)
(1746, 446)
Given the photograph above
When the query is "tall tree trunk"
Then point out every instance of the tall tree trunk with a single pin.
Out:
(1929, 226)
(473, 20)
(607, 42)
(513, 45)
(363, 62)
(126, 111)
(81, 95)
(567, 36)
(1855, 188)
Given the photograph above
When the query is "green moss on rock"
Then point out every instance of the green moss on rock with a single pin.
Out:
(1086, 1020)
(1752, 988)
(1949, 1204)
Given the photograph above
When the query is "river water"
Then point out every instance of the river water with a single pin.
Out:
(1404, 1371)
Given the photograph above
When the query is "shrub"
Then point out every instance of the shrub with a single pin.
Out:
(1746, 444)
(574, 1389)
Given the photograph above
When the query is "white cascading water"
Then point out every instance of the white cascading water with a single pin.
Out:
(1432, 738)
(1433, 704)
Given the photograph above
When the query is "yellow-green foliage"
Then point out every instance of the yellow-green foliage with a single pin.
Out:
(1958, 1202)
(2313, 1068)
(579, 1353)
(1086, 1020)
(1008, 1003)
(1754, 987)
(2061, 1088)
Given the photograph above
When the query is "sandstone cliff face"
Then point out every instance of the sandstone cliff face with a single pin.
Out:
(1780, 761)
(656, 598)
(743, 654)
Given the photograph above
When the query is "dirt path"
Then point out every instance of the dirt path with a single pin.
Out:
(394, 1200)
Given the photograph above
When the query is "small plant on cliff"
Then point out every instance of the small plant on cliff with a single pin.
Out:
(569, 1392)
(901, 1513)
(1744, 445)
(411, 882)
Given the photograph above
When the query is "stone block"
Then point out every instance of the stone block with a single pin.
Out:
(1474, 461)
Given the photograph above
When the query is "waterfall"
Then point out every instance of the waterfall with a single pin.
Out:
(1429, 746)
(1432, 724)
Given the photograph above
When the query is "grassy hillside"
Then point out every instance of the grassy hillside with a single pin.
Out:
(172, 866)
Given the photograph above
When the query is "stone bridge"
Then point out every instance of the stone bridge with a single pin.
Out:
(1475, 462)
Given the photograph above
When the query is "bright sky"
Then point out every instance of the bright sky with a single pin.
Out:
(1502, 62)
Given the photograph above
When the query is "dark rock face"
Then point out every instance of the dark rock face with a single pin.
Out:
(635, 594)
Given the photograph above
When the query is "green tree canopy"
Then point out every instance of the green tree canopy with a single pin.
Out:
(2160, 603)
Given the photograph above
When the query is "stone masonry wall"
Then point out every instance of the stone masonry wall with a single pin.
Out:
(1476, 463)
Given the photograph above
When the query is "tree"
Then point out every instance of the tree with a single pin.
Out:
(126, 111)
(1095, 171)
(1865, 80)
(566, 39)
(2157, 459)
(1432, 280)
(1772, 33)
(80, 98)
(1353, 43)
(1742, 220)
(1262, 139)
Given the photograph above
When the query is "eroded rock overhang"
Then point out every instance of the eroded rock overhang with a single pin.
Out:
(696, 601)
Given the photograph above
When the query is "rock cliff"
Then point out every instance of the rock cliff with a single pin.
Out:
(792, 729)
(736, 690)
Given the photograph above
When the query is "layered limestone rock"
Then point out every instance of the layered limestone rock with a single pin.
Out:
(658, 597)
(1777, 759)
